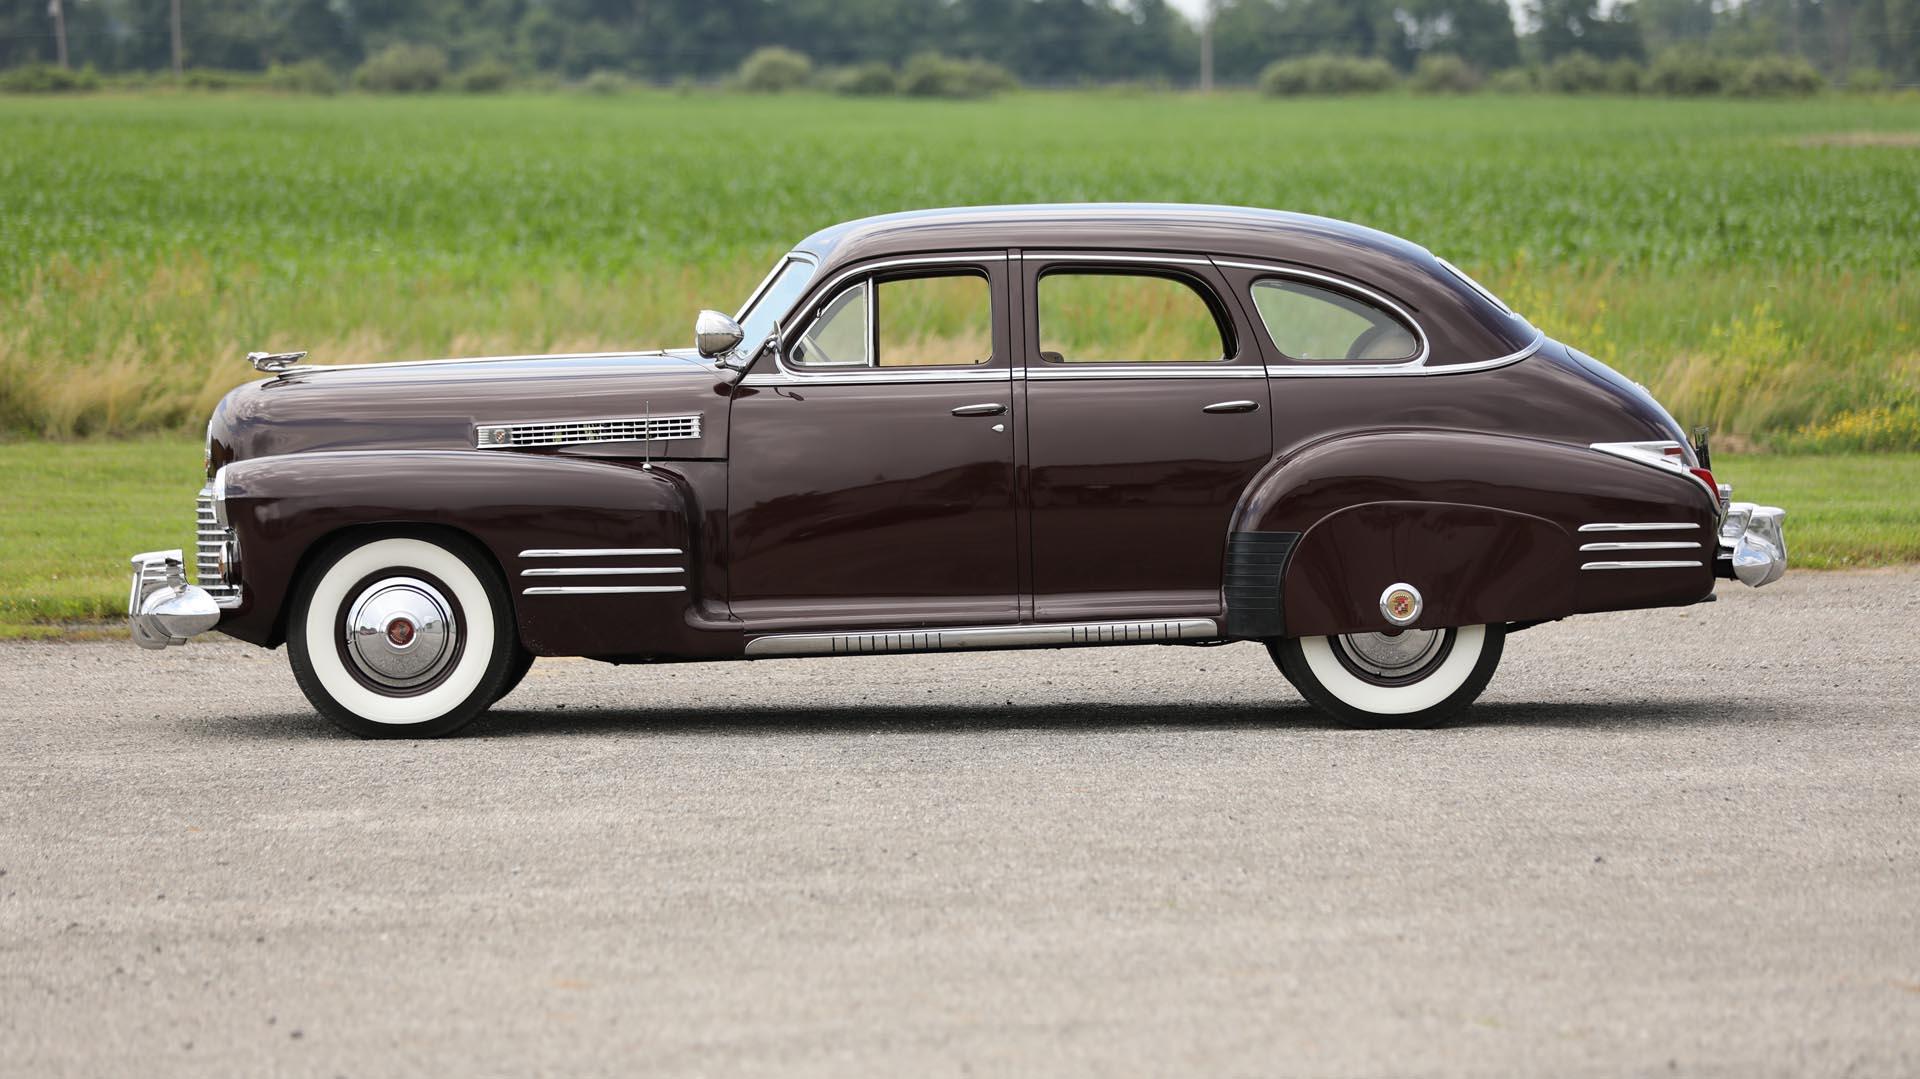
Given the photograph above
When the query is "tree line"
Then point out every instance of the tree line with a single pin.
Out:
(1042, 42)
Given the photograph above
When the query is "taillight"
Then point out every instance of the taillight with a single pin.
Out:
(1705, 476)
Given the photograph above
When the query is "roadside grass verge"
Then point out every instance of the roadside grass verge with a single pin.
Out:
(71, 514)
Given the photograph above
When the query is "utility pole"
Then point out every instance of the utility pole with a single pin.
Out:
(1206, 46)
(59, 14)
(177, 52)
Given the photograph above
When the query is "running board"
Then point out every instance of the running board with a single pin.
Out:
(961, 638)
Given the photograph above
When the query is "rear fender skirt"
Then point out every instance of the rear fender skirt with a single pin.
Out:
(519, 507)
(1484, 526)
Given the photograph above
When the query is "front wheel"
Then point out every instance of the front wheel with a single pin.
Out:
(402, 637)
(1402, 678)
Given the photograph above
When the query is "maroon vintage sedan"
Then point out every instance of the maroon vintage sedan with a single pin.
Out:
(1002, 427)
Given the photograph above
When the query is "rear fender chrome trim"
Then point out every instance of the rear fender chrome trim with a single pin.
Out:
(1643, 545)
(597, 571)
(961, 638)
(1640, 565)
(1638, 526)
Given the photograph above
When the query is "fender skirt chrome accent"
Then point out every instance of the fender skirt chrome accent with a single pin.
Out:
(961, 638)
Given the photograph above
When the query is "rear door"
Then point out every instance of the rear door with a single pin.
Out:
(1147, 414)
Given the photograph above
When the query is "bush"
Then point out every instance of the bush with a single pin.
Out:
(487, 76)
(305, 77)
(1325, 74)
(47, 79)
(1777, 76)
(1625, 76)
(773, 70)
(604, 83)
(865, 79)
(1688, 73)
(1444, 73)
(403, 69)
(216, 79)
(1868, 80)
(929, 74)
(1514, 80)
(1576, 73)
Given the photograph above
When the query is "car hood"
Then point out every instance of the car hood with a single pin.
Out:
(439, 404)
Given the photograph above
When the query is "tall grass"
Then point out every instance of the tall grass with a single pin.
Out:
(1753, 263)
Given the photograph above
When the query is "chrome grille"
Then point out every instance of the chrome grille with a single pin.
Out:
(502, 436)
(207, 536)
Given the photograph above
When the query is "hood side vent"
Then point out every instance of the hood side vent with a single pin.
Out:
(522, 435)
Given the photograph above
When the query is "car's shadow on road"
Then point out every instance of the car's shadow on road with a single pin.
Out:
(723, 720)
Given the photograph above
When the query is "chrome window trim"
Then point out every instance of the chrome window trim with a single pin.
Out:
(600, 590)
(597, 571)
(760, 289)
(960, 638)
(1643, 545)
(596, 552)
(1638, 526)
(1116, 368)
(785, 375)
(1340, 284)
(1640, 565)
(1485, 292)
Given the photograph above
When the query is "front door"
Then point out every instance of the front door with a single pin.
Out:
(1146, 416)
(871, 475)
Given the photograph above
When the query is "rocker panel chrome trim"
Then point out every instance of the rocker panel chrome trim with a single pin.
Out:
(960, 638)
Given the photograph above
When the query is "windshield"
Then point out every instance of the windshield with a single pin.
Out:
(771, 301)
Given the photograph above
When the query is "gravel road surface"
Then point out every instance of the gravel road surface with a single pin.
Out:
(1666, 843)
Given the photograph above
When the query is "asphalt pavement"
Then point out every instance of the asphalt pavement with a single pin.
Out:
(1680, 842)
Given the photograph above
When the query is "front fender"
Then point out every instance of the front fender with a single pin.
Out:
(283, 509)
(1485, 526)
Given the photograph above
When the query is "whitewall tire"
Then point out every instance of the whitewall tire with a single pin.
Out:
(401, 636)
(1405, 678)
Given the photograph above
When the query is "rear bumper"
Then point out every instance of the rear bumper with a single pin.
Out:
(163, 609)
(1753, 545)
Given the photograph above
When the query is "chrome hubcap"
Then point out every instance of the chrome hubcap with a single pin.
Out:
(400, 633)
(1395, 656)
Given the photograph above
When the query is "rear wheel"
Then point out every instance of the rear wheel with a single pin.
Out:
(401, 637)
(1400, 678)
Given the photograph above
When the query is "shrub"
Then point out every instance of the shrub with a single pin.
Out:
(1624, 76)
(1777, 76)
(1514, 80)
(773, 69)
(1576, 73)
(1444, 73)
(305, 77)
(213, 78)
(487, 76)
(403, 69)
(1868, 80)
(1687, 73)
(604, 83)
(1323, 73)
(929, 74)
(864, 79)
(47, 79)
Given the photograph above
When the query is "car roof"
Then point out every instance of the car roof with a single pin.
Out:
(1465, 325)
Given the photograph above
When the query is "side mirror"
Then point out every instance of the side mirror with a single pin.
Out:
(715, 334)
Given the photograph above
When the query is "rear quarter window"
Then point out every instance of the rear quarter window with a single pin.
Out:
(1316, 324)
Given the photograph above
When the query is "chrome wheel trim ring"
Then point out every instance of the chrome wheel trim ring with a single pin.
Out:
(400, 634)
(1392, 659)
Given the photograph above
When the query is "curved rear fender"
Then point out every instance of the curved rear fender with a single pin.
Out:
(1485, 526)
(283, 508)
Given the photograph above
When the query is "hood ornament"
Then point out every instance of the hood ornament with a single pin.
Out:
(274, 362)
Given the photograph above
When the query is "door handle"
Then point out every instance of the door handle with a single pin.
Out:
(1232, 406)
(980, 410)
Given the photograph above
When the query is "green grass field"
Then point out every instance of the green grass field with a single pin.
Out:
(1751, 261)
(71, 514)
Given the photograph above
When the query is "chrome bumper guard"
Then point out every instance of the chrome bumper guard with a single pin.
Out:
(163, 608)
(1753, 548)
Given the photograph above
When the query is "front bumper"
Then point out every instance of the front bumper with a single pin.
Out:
(1753, 546)
(163, 609)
